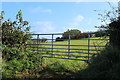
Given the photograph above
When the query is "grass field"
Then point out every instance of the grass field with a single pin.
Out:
(78, 49)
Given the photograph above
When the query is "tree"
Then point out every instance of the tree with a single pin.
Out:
(72, 36)
(1, 18)
(59, 39)
(113, 27)
(101, 33)
(115, 33)
(16, 33)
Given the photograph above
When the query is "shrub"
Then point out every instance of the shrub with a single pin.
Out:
(15, 61)
(105, 65)
(16, 33)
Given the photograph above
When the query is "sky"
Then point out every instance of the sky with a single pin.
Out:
(57, 17)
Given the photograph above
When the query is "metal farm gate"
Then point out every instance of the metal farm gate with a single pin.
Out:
(83, 48)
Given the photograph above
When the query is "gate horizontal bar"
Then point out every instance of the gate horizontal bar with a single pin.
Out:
(70, 33)
(67, 48)
(63, 51)
(62, 33)
(67, 45)
(70, 39)
(66, 55)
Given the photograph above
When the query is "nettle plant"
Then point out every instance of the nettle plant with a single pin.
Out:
(16, 33)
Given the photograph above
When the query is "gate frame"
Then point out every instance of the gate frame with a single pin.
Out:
(88, 39)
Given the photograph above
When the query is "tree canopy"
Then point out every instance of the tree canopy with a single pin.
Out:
(111, 19)
(72, 36)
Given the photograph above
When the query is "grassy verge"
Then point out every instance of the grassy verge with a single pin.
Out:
(54, 68)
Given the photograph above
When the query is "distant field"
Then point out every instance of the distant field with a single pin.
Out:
(75, 50)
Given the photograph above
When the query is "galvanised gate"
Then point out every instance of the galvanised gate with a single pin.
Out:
(83, 48)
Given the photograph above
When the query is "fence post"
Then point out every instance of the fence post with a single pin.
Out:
(37, 42)
(88, 46)
(69, 47)
(52, 43)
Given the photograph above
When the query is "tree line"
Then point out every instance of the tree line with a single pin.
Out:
(76, 34)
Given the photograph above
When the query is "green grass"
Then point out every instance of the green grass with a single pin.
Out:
(54, 68)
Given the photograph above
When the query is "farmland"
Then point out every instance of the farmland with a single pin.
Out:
(76, 49)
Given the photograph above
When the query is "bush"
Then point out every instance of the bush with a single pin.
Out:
(16, 33)
(17, 57)
(15, 61)
(105, 65)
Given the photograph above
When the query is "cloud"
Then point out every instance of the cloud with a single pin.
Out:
(39, 9)
(78, 18)
(44, 27)
(76, 22)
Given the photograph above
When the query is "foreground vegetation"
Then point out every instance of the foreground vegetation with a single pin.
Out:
(105, 65)
(15, 61)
